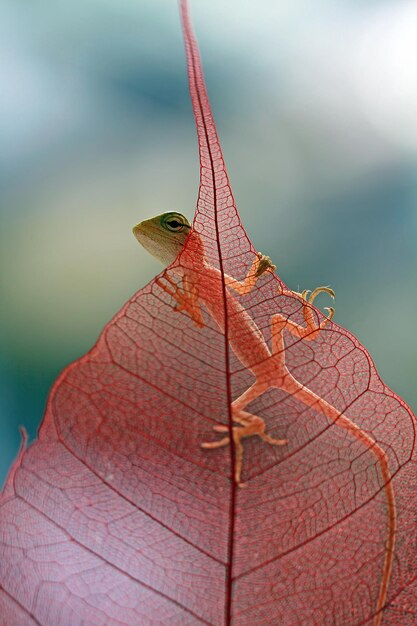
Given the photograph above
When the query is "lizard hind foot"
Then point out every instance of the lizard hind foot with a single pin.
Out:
(272, 441)
(221, 429)
(251, 425)
(212, 445)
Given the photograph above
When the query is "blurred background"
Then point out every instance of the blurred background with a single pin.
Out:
(316, 107)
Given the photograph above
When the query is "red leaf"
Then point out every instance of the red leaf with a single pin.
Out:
(116, 515)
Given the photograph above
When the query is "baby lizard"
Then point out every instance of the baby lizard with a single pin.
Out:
(165, 237)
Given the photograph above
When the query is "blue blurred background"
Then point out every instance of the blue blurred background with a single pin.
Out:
(316, 107)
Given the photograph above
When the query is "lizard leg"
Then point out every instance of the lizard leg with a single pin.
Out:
(238, 415)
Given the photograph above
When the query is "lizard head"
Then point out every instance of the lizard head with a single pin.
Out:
(163, 236)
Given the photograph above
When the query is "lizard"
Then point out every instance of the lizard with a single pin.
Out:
(168, 235)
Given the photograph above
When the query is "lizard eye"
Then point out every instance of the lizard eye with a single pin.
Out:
(175, 223)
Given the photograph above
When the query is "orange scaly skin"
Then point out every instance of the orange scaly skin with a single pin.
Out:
(202, 283)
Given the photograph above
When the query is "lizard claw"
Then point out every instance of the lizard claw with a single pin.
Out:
(318, 290)
(162, 285)
(331, 312)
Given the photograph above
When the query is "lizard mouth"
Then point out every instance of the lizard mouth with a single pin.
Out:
(165, 246)
(136, 230)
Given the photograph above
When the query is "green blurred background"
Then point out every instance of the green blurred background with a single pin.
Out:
(316, 107)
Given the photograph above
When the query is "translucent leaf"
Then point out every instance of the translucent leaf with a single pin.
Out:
(118, 515)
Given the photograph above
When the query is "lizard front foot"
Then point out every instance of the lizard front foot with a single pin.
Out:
(186, 299)
(264, 264)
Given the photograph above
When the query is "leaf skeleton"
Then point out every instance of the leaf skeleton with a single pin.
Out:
(170, 234)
